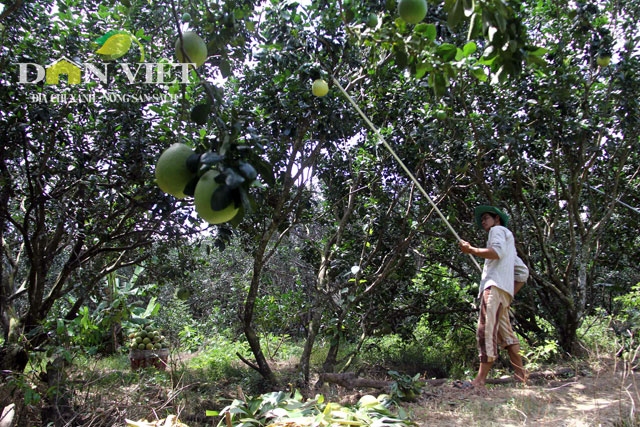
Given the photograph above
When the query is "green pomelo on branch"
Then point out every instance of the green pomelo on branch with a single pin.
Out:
(603, 60)
(172, 174)
(183, 293)
(194, 47)
(319, 88)
(205, 188)
(412, 11)
(372, 20)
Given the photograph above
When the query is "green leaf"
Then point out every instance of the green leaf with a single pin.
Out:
(265, 170)
(209, 413)
(537, 51)
(446, 51)
(237, 219)
(469, 7)
(469, 48)
(421, 70)
(401, 57)
(221, 198)
(152, 308)
(427, 30)
(225, 68)
(438, 83)
(234, 179)
(210, 159)
(456, 14)
(502, 23)
(200, 114)
(479, 74)
(190, 188)
(248, 171)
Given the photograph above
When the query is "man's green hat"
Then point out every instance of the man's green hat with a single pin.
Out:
(504, 218)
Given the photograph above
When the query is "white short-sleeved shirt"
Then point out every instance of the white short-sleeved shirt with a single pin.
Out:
(500, 272)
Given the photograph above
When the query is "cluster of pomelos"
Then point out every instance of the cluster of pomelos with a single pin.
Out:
(173, 174)
(147, 338)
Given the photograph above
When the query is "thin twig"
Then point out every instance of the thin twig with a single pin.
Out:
(559, 387)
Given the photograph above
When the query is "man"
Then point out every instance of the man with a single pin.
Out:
(503, 275)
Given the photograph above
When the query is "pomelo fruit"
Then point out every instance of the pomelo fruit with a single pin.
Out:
(319, 87)
(183, 294)
(186, 17)
(205, 188)
(412, 11)
(372, 20)
(603, 60)
(172, 174)
(194, 47)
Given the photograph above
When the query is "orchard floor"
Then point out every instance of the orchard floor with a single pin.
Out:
(603, 395)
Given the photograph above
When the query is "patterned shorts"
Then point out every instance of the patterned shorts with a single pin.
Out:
(494, 326)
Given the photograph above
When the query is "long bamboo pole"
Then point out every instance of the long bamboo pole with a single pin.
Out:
(404, 167)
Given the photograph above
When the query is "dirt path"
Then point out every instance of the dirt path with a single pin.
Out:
(608, 396)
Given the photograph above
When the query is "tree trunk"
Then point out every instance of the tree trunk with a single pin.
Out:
(252, 338)
(331, 360)
(305, 359)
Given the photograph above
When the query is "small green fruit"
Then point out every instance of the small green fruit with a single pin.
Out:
(183, 294)
(372, 20)
(186, 17)
(320, 88)
(603, 60)
(441, 114)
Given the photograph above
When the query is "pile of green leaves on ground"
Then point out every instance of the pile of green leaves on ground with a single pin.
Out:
(281, 408)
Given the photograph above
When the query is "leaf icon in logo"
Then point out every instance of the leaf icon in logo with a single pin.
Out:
(115, 44)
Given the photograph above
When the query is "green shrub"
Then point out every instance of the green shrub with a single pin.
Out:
(218, 356)
(596, 333)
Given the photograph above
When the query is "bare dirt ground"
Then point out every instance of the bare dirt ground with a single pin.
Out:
(605, 396)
